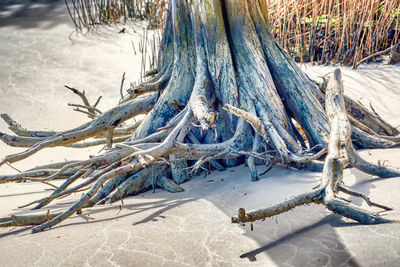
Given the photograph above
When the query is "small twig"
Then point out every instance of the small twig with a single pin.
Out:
(204, 159)
(151, 72)
(80, 94)
(269, 167)
(387, 50)
(47, 183)
(9, 165)
(104, 147)
(47, 216)
(84, 106)
(121, 87)
(91, 115)
(110, 134)
(131, 147)
(163, 160)
(97, 101)
(376, 113)
(349, 191)
(253, 154)
(134, 50)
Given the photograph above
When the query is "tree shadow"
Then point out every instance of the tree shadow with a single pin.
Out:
(137, 208)
(315, 242)
(28, 14)
(21, 194)
(15, 231)
(305, 236)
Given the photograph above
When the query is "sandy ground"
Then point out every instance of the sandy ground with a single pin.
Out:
(39, 53)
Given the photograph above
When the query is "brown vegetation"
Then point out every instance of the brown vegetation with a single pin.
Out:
(320, 31)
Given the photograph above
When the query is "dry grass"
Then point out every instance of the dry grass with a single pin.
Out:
(91, 13)
(327, 31)
(320, 31)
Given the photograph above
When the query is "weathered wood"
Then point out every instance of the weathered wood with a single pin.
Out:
(107, 120)
(169, 185)
(339, 148)
(259, 214)
(219, 71)
(136, 183)
(250, 160)
(23, 220)
(296, 90)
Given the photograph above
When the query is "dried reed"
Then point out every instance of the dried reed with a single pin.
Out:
(91, 13)
(321, 31)
(332, 31)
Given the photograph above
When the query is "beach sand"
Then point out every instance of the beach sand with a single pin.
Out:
(40, 53)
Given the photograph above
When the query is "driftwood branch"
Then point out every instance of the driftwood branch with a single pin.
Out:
(387, 50)
(92, 111)
(339, 156)
(186, 126)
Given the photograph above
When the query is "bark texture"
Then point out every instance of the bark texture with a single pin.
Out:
(223, 92)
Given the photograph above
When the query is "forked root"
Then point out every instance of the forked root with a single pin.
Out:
(92, 111)
(106, 121)
(206, 64)
(23, 220)
(265, 129)
(340, 153)
(136, 161)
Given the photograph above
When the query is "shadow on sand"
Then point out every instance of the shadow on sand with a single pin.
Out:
(28, 14)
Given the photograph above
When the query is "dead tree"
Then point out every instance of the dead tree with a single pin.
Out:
(224, 91)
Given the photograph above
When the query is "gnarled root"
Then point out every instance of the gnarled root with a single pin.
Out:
(224, 90)
(340, 154)
(23, 220)
(103, 123)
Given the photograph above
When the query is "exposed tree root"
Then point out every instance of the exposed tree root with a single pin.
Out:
(224, 92)
(92, 111)
(23, 220)
(340, 153)
(106, 121)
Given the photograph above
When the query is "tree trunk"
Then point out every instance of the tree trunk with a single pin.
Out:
(224, 90)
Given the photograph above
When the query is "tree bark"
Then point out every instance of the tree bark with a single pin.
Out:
(223, 90)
